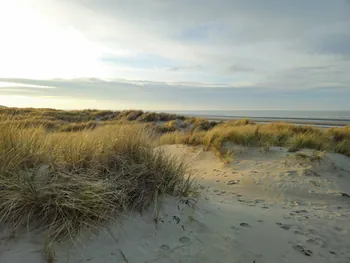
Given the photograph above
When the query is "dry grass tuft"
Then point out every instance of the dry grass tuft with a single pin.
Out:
(60, 120)
(265, 135)
(63, 182)
(317, 156)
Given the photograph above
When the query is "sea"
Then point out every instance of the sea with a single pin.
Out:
(312, 115)
(326, 118)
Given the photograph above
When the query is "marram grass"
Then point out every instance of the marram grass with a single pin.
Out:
(63, 182)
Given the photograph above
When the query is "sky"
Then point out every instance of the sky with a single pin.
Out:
(175, 55)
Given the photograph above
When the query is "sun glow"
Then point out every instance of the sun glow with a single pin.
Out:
(32, 46)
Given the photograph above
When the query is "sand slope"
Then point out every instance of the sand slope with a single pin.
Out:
(263, 207)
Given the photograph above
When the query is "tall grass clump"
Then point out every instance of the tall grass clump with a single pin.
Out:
(63, 182)
(247, 133)
(307, 140)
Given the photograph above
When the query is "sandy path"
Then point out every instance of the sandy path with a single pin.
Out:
(264, 207)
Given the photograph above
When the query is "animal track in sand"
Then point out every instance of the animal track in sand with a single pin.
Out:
(301, 249)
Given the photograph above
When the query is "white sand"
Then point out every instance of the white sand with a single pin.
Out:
(262, 208)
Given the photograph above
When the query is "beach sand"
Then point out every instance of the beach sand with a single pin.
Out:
(263, 207)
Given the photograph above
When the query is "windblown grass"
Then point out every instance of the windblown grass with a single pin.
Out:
(82, 120)
(272, 134)
(76, 116)
(63, 182)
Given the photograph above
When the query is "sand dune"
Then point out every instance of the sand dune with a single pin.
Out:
(263, 207)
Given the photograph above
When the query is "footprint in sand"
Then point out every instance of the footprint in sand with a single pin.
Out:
(311, 231)
(300, 211)
(299, 215)
(292, 173)
(314, 183)
(245, 225)
(283, 226)
(301, 249)
(184, 240)
(297, 232)
(341, 230)
(165, 248)
(316, 241)
(231, 182)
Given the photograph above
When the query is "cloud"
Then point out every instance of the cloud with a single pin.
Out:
(141, 61)
(219, 53)
(335, 44)
(118, 36)
(190, 67)
(13, 84)
(308, 77)
(239, 68)
(176, 96)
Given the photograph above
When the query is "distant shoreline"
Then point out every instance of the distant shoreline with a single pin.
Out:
(301, 121)
(310, 118)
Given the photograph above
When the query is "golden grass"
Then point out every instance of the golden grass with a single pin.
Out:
(63, 182)
(84, 115)
(272, 134)
(200, 124)
(74, 121)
